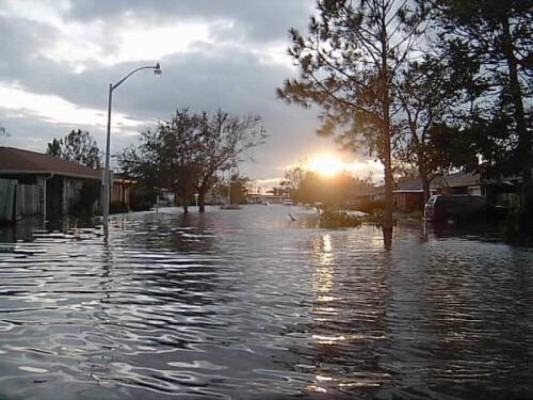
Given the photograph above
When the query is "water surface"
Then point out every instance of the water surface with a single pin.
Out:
(245, 304)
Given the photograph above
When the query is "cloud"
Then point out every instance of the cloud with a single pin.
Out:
(246, 20)
(59, 57)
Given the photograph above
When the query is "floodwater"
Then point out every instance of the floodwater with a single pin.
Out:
(247, 304)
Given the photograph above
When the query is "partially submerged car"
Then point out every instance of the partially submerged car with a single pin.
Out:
(460, 207)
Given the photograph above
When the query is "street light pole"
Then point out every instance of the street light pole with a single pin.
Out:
(106, 179)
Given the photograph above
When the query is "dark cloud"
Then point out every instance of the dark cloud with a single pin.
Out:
(19, 41)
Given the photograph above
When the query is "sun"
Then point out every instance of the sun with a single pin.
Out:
(327, 165)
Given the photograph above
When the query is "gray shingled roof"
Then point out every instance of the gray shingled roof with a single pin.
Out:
(455, 180)
(18, 161)
(459, 179)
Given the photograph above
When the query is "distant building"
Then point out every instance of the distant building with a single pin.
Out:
(264, 198)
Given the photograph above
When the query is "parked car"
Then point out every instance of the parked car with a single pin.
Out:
(460, 207)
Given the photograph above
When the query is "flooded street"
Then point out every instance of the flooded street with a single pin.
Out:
(247, 304)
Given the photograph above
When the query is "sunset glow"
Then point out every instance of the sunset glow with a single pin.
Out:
(326, 164)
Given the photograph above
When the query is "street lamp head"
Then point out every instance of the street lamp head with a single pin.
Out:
(157, 69)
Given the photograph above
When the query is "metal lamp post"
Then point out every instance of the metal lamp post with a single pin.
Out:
(106, 181)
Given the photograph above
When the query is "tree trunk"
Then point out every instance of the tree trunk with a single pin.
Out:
(426, 187)
(525, 140)
(389, 200)
(387, 222)
(426, 183)
(201, 201)
(386, 128)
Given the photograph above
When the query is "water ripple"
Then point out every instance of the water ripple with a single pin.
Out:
(249, 305)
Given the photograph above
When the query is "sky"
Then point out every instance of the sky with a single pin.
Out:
(58, 57)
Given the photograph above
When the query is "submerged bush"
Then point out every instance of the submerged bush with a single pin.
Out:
(116, 207)
(374, 218)
(371, 206)
(338, 219)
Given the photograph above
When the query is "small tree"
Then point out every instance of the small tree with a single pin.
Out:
(77, 146)
(238, 189)
(292, 180)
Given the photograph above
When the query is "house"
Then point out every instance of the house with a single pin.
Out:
(48, 186)
(408, 194)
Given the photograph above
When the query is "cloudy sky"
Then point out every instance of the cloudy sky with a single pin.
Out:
(57, 58)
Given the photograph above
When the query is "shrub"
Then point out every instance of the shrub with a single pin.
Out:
(338, 219)
(371, 206)
(142, 199)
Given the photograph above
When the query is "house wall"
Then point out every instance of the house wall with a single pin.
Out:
(409, 201)
(54, 197)
(121, 192)
(71, 194)
(8, 189)
(61, 194)
(475, 190)
(29, 200)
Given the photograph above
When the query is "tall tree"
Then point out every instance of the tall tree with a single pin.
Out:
(348, 65)
(492, 41)
(77, 146)
(186, 153)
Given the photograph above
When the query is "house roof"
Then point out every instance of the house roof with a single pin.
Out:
(459, 179)
(18, 161)
(411, 185)
(414, 185)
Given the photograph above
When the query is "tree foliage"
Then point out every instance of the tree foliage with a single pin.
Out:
(292, 180)
(490, 42)
(427, 93)
(234, 189)
(77, 146)
(187, 153)
(305, 186)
